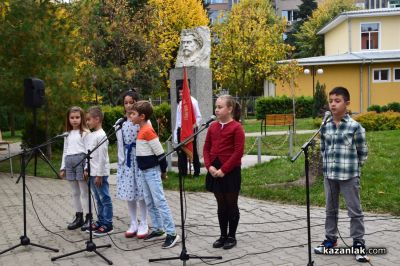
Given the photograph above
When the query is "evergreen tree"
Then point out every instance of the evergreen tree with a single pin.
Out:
(305, 11)
(306, 8)
(320, 100)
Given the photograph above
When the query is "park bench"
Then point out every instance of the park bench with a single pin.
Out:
(277, 120)
(6, 143)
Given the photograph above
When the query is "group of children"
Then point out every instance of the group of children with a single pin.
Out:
(139, 175)
(141, 168)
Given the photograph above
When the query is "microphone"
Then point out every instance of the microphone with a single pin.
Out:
(212, 118)
(327, 115)
(120, 122)
(63, 135)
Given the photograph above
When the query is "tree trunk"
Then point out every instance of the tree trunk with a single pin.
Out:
(11, 123)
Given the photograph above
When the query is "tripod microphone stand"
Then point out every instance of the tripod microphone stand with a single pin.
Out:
(184, 256)
(90, 245)
(304, 149)
(43, 157)
(24, 239)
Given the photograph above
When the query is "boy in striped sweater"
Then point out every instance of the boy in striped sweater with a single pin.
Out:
(148, 152)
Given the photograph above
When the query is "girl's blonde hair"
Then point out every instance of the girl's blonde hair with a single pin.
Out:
(82, 127)
(231, 102)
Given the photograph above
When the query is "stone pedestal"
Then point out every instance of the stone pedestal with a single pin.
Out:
(200, 82)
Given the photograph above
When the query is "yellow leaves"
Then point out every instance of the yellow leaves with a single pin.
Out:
(249, 44)
(4, 8)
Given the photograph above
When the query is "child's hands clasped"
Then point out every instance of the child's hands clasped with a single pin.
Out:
(216, 173)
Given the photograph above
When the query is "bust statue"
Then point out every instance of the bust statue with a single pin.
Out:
(195, 48)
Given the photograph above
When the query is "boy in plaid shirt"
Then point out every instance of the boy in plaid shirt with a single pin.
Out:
(344, 150)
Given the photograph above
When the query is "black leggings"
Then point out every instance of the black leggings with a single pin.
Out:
(228, 212)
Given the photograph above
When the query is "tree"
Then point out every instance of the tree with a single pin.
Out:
(170, 18)
(119, 55)
(320, 100)
(248, 44)
(38, 39)
(307, 41)
(305, 11)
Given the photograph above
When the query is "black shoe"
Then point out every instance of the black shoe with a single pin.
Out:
(86, 224)
(220, 242)
(230, 242)
(360, 250)
(170, 241)
(155, 235)
(78, 221)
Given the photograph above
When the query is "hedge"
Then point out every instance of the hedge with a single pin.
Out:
(393, 106)
(284, 105)
(373, 121)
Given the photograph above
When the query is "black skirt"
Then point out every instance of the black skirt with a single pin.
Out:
(229, 183)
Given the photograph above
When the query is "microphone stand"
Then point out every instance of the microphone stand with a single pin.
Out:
(304, 149)
(90, 245)
(184, 256)
(38, 149)
(24, 239)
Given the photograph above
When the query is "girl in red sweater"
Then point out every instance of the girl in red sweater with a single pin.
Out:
(223, 151)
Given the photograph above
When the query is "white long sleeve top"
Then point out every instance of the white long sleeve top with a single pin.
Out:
(74, 143)
(99, 162)
(178, 121)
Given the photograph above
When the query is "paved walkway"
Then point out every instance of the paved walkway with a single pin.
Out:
(268, 234)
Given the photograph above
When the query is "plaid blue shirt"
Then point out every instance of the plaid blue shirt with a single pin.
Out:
(344, 149)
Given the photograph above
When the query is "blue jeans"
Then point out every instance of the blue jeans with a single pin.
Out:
(156, 203)
(103, 201)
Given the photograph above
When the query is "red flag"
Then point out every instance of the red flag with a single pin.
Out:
(188, 119)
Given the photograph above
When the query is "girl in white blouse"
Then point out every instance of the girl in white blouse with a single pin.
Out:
(73, 154)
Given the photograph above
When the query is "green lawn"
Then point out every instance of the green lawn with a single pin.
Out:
(380, 176)
(253, 125)
(380, 180)
(7, 136)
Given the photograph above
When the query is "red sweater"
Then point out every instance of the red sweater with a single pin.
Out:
(227, 144)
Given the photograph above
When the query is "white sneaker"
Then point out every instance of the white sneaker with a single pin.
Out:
(143, 230)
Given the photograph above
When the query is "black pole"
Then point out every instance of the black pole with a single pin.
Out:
(184, 256)
(304, 149)
(306, 165)
(35, 138)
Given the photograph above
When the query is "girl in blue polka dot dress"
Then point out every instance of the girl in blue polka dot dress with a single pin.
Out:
(129, 186)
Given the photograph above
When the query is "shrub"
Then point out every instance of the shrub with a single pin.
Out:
(375, 107)
(111, 115)
(394, 106)
(283, 105)
(161, 121)
(320, 100)
(373, 121)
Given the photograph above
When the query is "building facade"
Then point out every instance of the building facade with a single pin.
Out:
(362, 53)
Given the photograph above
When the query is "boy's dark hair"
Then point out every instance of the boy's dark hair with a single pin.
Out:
(95, 111)
(143, 107)
(341, 91)
(131, 93)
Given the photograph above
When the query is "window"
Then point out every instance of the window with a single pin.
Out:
(381, 75)
(290, 15)
(369, 36)
(396, 74)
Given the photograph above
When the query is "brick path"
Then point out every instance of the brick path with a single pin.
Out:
(259, 242)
